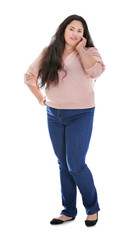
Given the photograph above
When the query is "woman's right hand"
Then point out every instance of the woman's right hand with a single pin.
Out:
(43, 101)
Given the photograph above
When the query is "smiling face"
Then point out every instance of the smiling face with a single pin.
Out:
(73, 33)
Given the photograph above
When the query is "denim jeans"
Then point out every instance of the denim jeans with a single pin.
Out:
(70, 132)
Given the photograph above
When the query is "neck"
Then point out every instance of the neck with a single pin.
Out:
(68, 48)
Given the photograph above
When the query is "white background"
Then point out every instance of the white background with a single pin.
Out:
(29, 174)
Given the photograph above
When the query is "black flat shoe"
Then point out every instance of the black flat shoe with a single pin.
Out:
(90, 223)
(56, 221)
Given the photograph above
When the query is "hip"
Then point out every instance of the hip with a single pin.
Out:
(65, 116)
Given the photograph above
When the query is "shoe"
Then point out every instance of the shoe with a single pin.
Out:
(90, 223)
(56, 221)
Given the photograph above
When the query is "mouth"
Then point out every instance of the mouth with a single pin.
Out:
(74, 38)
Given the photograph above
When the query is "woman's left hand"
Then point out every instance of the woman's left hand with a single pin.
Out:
(81, 44)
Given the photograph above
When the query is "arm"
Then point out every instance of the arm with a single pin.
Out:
(37, 93)
(90, 59)
(30, 78)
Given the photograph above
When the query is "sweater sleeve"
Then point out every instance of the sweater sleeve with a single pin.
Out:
(99, 67)
(30, 76)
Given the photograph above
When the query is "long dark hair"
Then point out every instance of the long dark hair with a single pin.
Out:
(52, 60)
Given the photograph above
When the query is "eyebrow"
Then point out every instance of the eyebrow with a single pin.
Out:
(78, 28)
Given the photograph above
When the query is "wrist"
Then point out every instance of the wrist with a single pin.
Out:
(42, 101)
(80, 49)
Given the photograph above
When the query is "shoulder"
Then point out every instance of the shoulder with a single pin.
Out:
(43, 52)
(45, 49)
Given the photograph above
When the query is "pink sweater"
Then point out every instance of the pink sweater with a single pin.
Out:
(75, 90)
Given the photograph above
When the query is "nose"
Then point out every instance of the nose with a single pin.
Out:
(75, 34)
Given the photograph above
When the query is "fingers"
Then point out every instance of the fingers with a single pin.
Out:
(84, 39)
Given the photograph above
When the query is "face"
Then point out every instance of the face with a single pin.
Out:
(73, 33)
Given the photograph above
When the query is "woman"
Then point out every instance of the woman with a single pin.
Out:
(67, 69)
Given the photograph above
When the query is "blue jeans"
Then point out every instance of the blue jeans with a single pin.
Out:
(70, 132)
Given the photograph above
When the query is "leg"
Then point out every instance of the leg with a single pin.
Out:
(78, 134)
(68, 186)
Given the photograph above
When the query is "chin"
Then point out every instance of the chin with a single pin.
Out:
(73, 45)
